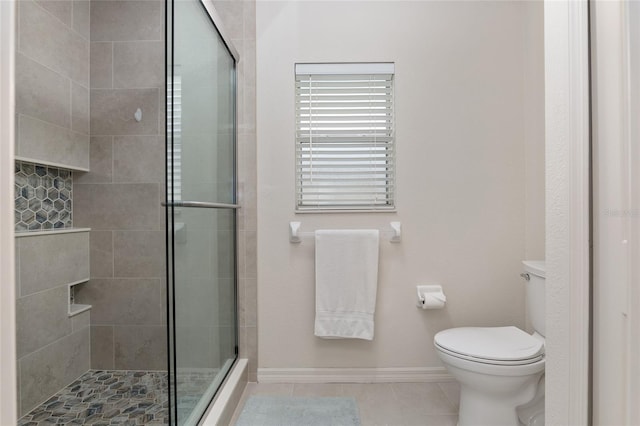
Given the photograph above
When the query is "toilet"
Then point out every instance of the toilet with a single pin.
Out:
(500, 369)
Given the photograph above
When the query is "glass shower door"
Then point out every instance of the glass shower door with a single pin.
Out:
(201, 209)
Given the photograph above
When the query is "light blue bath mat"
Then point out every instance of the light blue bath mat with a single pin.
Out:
(296, 411)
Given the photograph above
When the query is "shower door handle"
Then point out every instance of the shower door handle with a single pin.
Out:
(201, 204)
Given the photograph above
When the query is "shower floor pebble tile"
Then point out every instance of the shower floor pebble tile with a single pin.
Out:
(379, 404)
(104, 398)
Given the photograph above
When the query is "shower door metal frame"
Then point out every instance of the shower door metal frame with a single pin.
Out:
(169, 205)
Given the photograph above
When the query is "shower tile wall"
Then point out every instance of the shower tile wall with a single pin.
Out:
(52, 348)
(52, 82)
(52, 123)
(239, 20)
(119, 199)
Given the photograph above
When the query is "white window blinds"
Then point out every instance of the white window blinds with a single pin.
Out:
(174, 128)
(345, 155)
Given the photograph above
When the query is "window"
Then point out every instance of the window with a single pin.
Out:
(174, 130)
(345, 154)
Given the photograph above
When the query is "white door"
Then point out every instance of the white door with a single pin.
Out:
(616, 185)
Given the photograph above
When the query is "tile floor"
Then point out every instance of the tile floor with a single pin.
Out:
(380, 404)
(106, 398)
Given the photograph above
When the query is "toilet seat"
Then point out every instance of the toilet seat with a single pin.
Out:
(491, 345)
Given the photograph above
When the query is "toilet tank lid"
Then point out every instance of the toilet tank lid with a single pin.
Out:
(535, 267)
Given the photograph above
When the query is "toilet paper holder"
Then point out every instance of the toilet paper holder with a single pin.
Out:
(431, 297)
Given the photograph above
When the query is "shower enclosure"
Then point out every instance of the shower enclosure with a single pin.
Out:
(200, 207)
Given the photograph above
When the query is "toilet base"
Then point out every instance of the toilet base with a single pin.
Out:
(488, 398)
(480, 409)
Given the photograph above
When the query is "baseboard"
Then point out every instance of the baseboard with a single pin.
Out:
(353, 375)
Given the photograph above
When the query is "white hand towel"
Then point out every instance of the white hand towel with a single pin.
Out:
(346, 283)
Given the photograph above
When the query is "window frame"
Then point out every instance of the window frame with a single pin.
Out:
(390, 194)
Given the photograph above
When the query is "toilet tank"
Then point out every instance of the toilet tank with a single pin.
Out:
(535, 289)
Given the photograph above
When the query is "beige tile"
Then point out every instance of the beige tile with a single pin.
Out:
(226, 302)
(139, 254)
(251, 302)
(241, 253)
(17, 265)
(381, 412)
(242, 342)
(42, 93)
(48, 261)
(101, 254)
(251, 268)
(415, 418)
(138, 64)
(427, 397)
(101, 65)
(46, 371)
(318, 389)
(102, 347)
(164, 300)
(194, 349)
(80, 321)
(61, 9)
(269, 389)
(452, 391)
(249, 20)
(100, 162)
(138, 159)
(118, 206)
(41, 318)
(240, 102)
(82, 17)
(372, 392)
(241, 302)
(248, 122)
(223, 253)
(126, 20)
(122, 301)
(231, 13)
(112, 111)
(140, 347)
(79, 109)
(40, 140)
(249, 63)
(53, 44)
(252, 352)
(195, 302)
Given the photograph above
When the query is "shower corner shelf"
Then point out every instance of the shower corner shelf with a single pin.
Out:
(77, 308)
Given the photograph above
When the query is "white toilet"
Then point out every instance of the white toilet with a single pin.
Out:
(500, 369)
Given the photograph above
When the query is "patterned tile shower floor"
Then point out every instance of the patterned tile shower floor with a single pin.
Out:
(101, 397)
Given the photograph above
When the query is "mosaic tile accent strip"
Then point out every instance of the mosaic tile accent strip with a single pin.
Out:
(43, 197)
(107, 397)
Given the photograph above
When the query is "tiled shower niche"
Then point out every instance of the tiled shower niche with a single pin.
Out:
(43, 197)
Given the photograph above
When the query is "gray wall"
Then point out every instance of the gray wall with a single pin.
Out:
(119, 199)
(52, 348)
(52, 82)
(52, 122)
(239, 19)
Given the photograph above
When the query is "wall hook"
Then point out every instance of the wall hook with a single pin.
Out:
(294, 229)
(396, 236)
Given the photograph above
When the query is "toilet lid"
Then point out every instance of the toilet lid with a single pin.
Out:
(491, 343)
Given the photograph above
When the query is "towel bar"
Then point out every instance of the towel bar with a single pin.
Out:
(295, 235)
